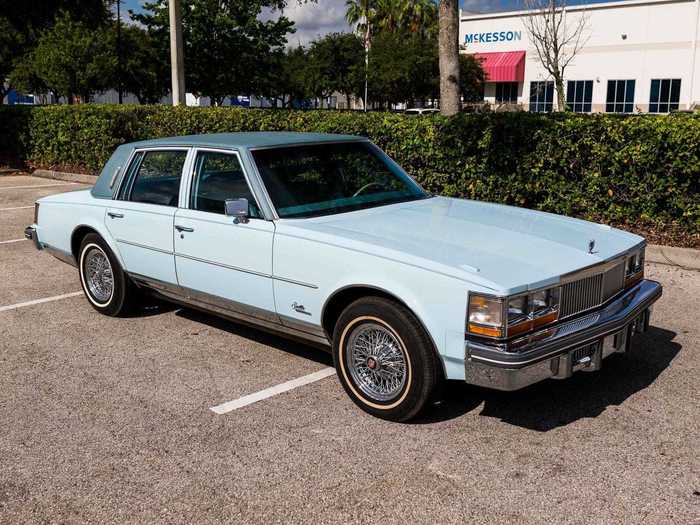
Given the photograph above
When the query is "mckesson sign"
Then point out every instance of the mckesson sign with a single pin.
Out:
(492, 36)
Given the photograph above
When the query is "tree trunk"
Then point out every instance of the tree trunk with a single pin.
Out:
(561, 97)
(448, 41)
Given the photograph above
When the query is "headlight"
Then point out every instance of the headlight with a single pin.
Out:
(507, 317)
(634, 267)
(485, 315)
(36, 213)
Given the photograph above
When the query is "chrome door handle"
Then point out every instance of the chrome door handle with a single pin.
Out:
(183, 228)
(115, 215)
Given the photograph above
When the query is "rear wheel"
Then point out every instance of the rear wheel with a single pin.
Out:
(104, 283)
(384, 358)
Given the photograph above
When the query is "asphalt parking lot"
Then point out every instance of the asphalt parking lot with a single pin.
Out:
(110, 420)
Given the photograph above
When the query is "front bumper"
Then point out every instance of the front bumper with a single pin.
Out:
(30, 233)
(557, 352)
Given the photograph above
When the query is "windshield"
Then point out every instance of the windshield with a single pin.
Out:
(313, 180)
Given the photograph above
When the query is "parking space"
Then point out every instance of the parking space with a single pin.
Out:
(109, 419)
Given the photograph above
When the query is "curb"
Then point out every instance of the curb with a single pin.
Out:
(686, 258)
(68, 177)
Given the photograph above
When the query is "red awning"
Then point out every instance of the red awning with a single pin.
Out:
(508, 66)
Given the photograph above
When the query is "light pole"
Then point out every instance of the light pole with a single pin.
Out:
(177, 55)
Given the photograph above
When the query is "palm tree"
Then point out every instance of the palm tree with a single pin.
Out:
(361, 14)
(448, 46)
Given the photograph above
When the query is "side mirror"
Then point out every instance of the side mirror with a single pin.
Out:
(238, 209)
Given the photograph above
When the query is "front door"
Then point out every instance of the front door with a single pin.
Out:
(218, 261)
(141, 218)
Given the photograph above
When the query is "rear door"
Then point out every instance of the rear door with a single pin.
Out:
(229, 263)
(141, 218)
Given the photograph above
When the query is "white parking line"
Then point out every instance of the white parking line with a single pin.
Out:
(39, 301)
(17, 208)
(272, 391)
(36, 186)
(13, 240)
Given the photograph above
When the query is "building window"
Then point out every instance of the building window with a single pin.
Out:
(620, 97)
(507, 92)
(579, 95)
(665, 95)
(541, 96)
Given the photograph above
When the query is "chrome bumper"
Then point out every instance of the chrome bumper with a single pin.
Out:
(579, 344)
(30, 233)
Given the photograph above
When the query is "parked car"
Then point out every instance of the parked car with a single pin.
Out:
(421, 111)
(324, 238)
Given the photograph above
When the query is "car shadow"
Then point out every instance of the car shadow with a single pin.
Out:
(241, 330)
(552, 403)
(149, 306)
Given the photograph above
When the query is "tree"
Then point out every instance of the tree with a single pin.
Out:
(372, 16)
(556, 41)
(333, 60)
(72, 59)
(406, 68)
(21, 24)
(449, 57)
(144, 70)
(226, 43)
(471, 79)
(361, 14)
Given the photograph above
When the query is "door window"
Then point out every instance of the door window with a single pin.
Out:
(219, 177)
(155, 179)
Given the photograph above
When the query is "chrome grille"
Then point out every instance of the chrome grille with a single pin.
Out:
(613, 281)
(586, 293)
(581, 295)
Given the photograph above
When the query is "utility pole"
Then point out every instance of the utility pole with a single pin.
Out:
(119, 52)
(177, 55)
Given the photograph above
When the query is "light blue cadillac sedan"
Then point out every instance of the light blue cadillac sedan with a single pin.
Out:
(324, 238)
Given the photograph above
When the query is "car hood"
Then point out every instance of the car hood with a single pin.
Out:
(503, 248)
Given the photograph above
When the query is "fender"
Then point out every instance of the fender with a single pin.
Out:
(100, 228)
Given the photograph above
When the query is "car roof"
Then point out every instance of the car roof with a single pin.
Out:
(254, 139)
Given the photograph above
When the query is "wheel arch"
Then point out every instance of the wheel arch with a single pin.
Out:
(79, 233)
(341, 298)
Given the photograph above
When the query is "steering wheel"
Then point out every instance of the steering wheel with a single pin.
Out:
(366, 186)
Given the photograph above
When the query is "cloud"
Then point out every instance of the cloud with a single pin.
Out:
(314, 19)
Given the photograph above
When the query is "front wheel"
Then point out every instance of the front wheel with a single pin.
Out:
(104, 283)
(385, 359)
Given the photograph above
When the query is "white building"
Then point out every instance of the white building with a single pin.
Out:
(638, 56)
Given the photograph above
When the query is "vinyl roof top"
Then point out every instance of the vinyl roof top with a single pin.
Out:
(247, 139)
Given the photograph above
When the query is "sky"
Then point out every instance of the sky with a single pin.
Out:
(328, 16)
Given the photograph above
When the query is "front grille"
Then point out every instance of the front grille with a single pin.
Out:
(613, 281)
(586, 293)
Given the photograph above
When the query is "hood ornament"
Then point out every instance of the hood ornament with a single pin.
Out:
(591, 246)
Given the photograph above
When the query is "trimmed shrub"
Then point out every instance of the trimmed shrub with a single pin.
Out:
(635, 170)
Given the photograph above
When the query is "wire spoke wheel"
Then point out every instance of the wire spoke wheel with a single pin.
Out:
(376, 361)
(98, 275)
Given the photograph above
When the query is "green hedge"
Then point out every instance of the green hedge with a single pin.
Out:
(635, 170)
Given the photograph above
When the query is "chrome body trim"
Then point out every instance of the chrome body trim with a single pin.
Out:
(61, 255)
(138, 245)
(233, 310)
(550, 342)
(303, 326)
(244, 270)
